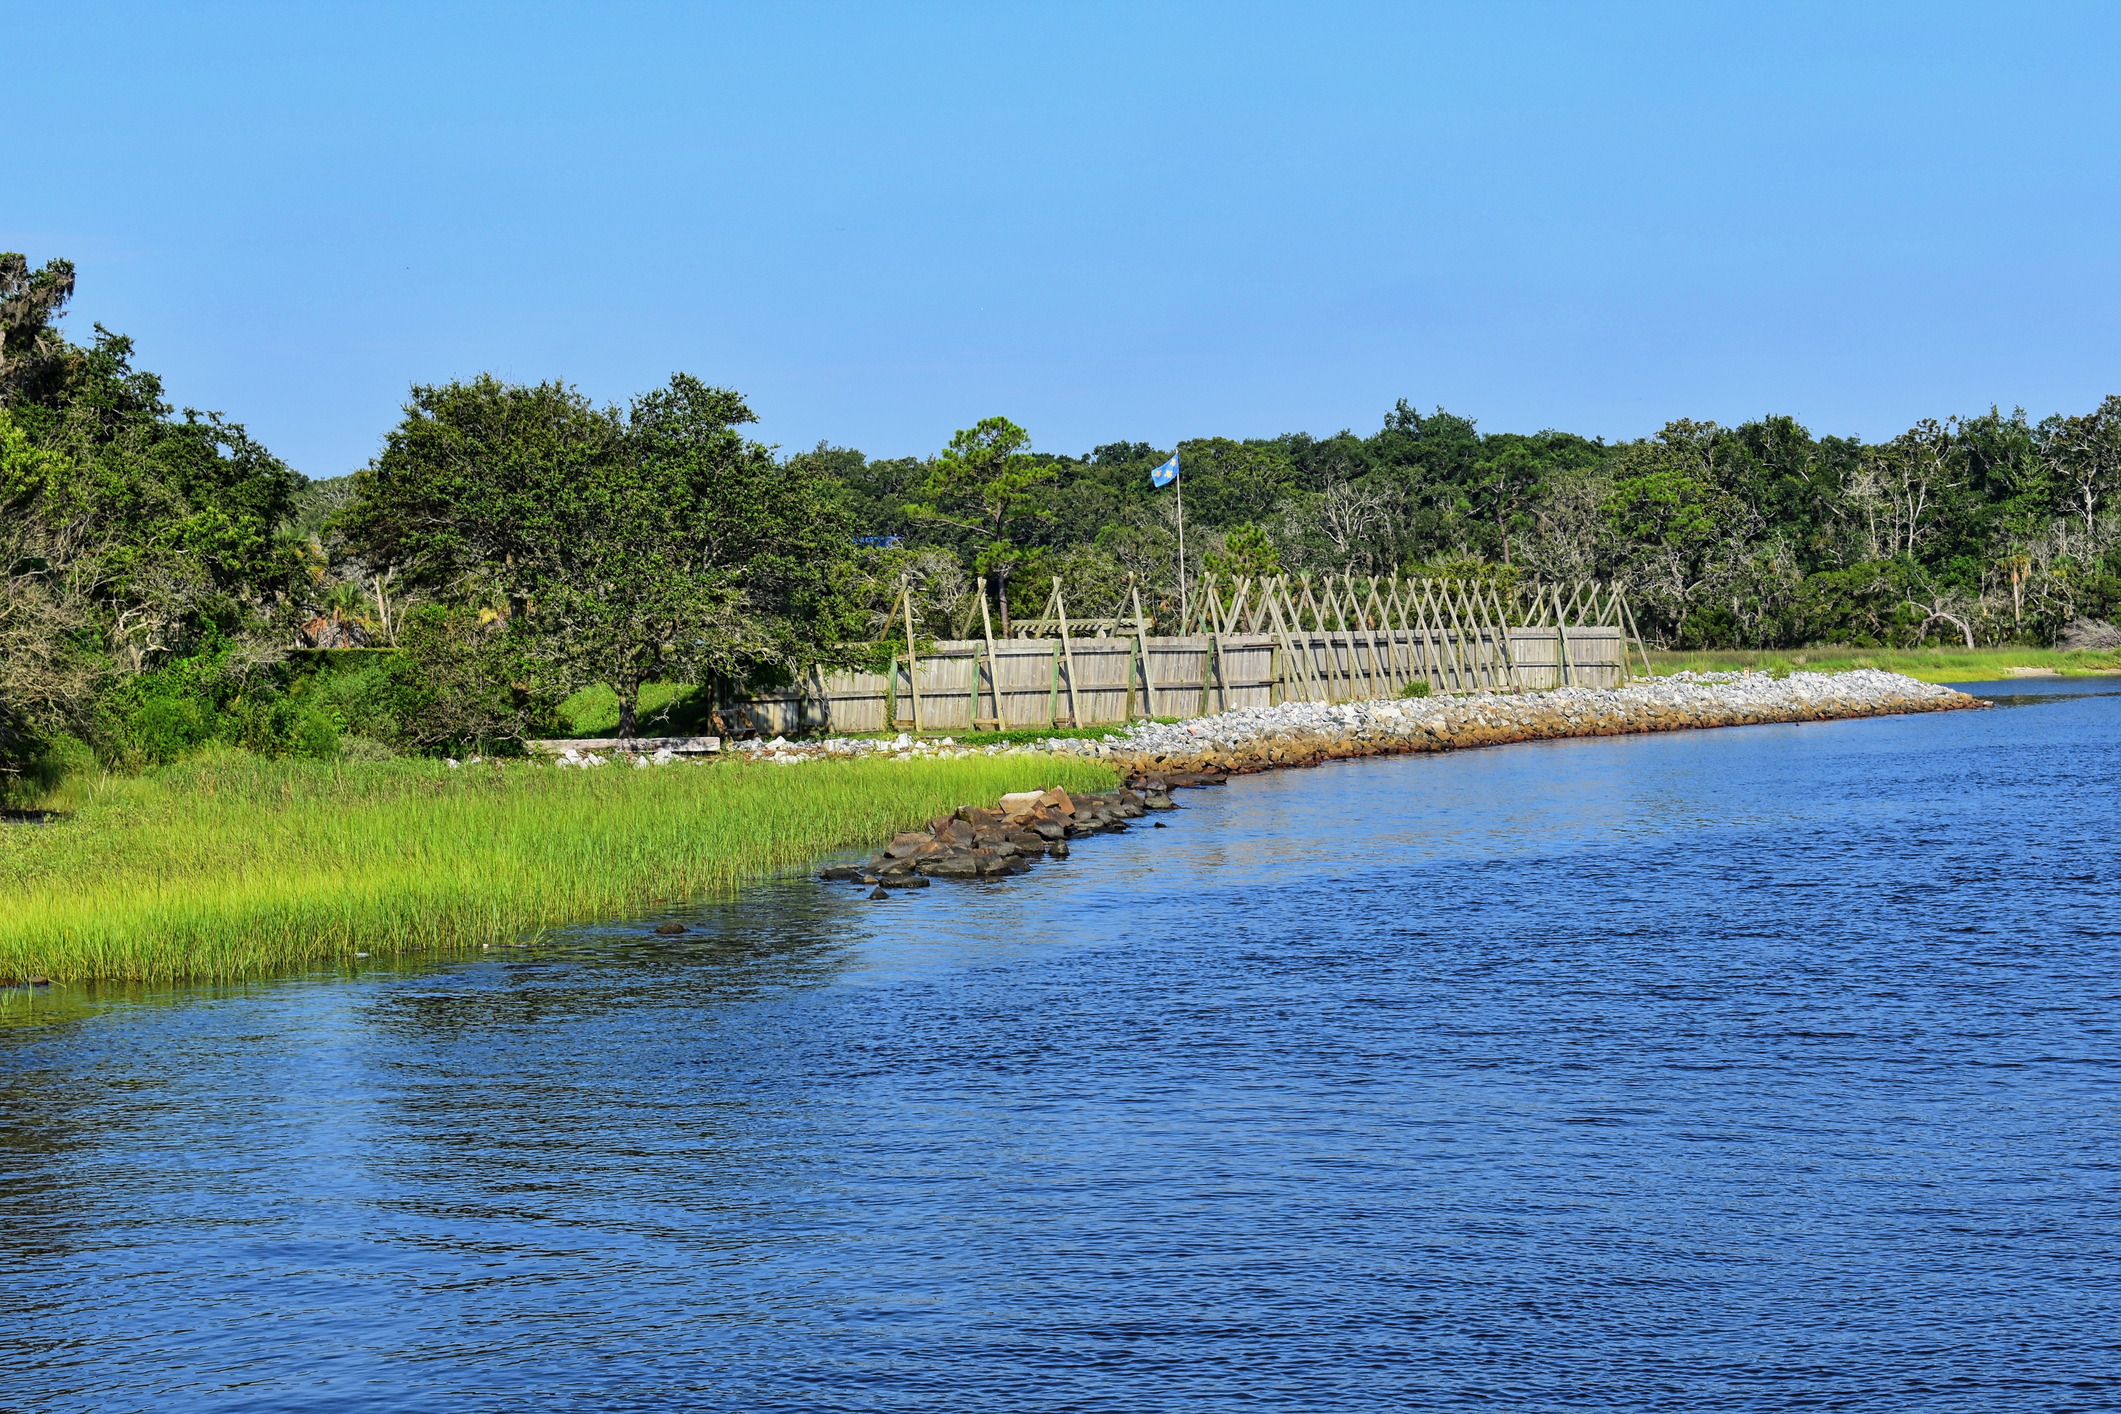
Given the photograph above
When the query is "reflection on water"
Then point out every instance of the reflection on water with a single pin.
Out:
(1729, 1069)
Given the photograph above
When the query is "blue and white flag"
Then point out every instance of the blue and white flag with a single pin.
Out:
(1165, 474)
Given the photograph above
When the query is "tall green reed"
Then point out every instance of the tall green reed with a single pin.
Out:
(229, 865)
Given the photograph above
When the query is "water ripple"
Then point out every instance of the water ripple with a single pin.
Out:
(1747, 1069)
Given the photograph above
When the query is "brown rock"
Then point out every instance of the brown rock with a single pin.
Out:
(1057, 799)
(910, 842)
(671, 930)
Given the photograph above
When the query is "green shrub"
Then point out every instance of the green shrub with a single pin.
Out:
(364, 701)
(161, 729)
(315, 736)
(1417, 688)
(459, 684)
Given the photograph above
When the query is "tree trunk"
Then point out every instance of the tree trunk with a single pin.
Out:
(629, 692)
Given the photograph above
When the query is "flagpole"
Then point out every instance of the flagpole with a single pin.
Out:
(1178, 474)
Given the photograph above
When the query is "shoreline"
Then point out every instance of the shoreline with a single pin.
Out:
(1153, 759)
(1292, 734)
(159, 882)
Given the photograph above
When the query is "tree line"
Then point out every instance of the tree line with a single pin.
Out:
(510, 544)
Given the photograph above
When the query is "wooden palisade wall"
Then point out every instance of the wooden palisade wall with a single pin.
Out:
(1249, 645)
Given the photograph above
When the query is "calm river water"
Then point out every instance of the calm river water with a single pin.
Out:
(1746, 1069)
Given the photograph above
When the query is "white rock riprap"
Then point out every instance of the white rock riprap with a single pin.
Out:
(1305, 733)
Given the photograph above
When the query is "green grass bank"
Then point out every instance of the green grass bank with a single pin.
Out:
(229, 865)
(1924, 665)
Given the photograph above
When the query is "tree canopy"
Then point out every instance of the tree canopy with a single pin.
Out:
(161, 571)
(620, 547)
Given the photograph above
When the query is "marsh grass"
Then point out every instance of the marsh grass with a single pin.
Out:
(1928, 665)
(229, 865)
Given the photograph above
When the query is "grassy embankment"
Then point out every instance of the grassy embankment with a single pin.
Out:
(1928, 665)
(229, 865)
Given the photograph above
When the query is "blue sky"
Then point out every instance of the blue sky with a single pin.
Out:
(1132, 222)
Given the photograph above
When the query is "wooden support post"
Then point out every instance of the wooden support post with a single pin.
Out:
(1141, 638)
(994, 667)
(1502, 638)
(1291, 663)
(1380, 666)
(1060, 609)
(1208, 671)
(913, 663)
(1053, 689)
(1364, 622)
(1318, 617)
(1450, 662)
(1647, 670)
(1561, 639)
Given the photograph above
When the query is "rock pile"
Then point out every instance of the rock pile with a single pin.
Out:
(783, 752)
(571, 759)
(1306, 733)
(975, 843)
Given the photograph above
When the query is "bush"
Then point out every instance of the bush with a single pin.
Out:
(1417, 688)
(363, 701)
(458, 683)
(163, 728)
(280, 726)
(315, 736)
